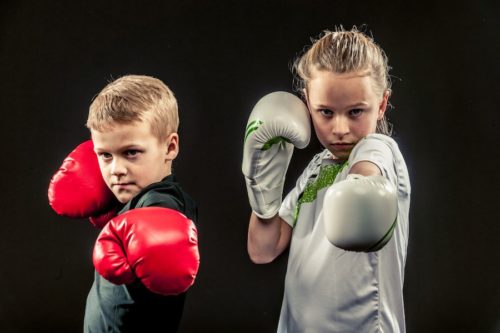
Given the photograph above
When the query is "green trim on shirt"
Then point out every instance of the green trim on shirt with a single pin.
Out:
(326, 177)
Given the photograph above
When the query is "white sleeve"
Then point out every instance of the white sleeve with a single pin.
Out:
(288, 209)
(384, 153)
(376, 149)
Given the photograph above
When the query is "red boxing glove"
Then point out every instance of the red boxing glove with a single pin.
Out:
(159, 246)
(78, 190)
(100, 220)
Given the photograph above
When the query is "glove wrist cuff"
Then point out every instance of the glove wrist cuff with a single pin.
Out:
(265, 202)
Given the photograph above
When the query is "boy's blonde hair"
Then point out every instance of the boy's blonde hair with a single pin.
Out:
(134, 98)
(341, 52)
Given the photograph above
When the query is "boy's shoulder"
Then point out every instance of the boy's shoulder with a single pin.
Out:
(166, 193)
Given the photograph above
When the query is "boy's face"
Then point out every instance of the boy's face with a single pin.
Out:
(344, 109)
(131, 157)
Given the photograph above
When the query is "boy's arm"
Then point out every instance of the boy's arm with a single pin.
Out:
(155, 242)
(77, 189)
(267, 238)
(158, 246)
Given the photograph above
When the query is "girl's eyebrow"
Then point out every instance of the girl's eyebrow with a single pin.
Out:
(363, 103)
(355, 105)
(322, 106)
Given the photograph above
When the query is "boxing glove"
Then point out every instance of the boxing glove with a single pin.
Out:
(77, 189)
(158, 246)
(360, 213)
(278, 122)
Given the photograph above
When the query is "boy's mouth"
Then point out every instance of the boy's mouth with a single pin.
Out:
(122, 185)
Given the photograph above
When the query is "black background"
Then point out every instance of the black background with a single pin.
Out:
(219, 57)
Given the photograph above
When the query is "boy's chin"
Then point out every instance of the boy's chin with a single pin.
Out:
(124, 197)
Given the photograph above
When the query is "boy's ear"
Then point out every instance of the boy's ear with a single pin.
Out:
(383, 104)
(172, 146)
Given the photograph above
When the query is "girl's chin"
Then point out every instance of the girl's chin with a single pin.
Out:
(340, 155)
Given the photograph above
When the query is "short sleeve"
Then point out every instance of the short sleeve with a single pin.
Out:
(383, 151)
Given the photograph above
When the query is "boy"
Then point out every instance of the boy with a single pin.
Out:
(145, 258)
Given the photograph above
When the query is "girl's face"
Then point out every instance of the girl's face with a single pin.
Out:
(344, 109)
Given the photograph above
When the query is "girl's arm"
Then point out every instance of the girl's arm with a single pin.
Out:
(267, 238)
(365, 168)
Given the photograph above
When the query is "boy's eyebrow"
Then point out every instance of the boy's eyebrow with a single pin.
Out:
(129, 146)
(124, 147)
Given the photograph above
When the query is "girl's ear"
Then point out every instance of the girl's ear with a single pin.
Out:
(172, 147)
(383, 104)
(307, 99)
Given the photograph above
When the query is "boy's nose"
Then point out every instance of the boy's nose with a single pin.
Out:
(118, 167)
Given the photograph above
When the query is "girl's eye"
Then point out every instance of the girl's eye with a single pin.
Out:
(325, 112)
(356, 112)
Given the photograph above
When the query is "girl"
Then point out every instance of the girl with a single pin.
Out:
(344, 80)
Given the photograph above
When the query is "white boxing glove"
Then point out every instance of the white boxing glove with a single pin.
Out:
(360, 213)
(278, 122)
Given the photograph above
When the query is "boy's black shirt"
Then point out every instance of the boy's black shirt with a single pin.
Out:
(146, 311)
(166, 193)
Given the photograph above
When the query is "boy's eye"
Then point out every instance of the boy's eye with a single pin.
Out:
(105, 156)
(132, 153)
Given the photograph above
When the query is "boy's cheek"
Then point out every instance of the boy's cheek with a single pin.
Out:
(102, 168)
(107, 180)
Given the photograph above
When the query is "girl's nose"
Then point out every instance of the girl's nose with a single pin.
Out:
(340, 126)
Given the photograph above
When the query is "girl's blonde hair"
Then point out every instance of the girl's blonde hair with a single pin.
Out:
(342, 51)
(134, 98)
